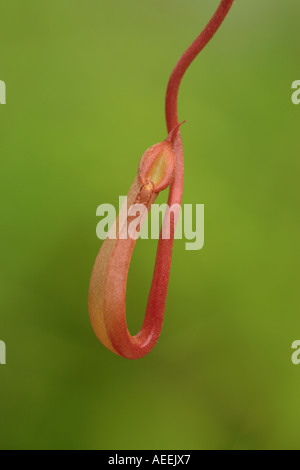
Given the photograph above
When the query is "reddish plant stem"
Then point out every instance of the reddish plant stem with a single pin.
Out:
(187, 58)
(171, 104)
(159, 287)
(108, 284)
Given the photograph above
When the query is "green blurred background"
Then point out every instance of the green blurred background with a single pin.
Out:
(85, 97)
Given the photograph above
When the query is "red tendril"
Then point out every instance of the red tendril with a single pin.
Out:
(161, 166)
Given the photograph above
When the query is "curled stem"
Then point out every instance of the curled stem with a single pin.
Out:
(160, 167)
(187, 58)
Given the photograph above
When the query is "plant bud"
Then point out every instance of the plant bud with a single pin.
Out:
(157, 166)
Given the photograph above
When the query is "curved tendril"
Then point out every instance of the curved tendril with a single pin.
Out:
(188, 57)
(107, 294)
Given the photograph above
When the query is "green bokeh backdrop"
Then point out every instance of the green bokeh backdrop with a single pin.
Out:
(85, 97)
